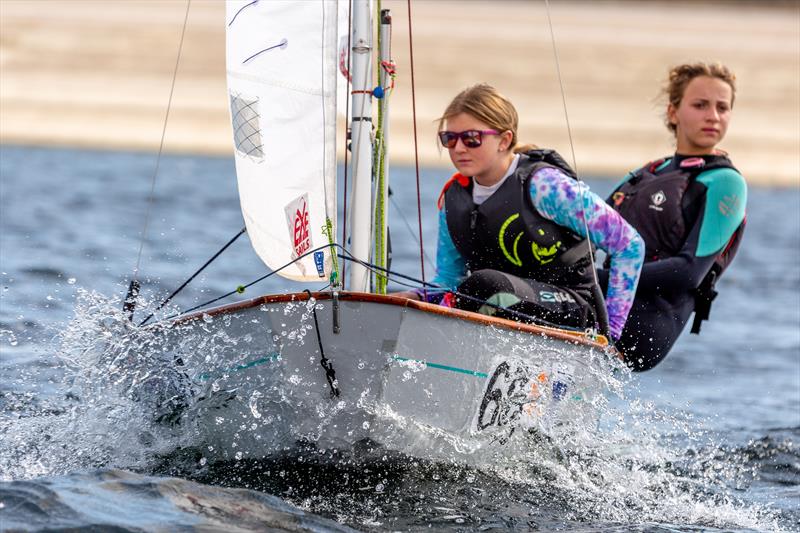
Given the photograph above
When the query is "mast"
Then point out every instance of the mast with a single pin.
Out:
(361, 126)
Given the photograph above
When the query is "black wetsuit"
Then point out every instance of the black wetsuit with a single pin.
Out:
(668, 287)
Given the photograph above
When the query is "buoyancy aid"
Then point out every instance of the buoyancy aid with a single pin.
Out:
(662, 202)
(508, 234)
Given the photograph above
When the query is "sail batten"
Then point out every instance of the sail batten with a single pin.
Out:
(282, 67)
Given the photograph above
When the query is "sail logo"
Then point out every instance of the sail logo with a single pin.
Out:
(301, 237)
(298, 221)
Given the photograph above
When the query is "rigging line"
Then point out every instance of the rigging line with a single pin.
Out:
(324, 113)
(185, 283)
(561, 85)
(530, 318)
(347, 78)
(416, 149)
(581, 184)
(347, 256)
(328, 231)
(351, 257)
(330, 373)
(241, 288)
(161, 145)
(408, 226)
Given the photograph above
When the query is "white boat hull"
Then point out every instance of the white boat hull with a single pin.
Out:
(413, 377)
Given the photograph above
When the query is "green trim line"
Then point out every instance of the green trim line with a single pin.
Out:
(443, 367)
(274, 356)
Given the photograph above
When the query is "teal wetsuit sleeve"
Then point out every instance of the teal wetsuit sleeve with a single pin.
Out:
(560, 199)
(726, 197)
(451, 268)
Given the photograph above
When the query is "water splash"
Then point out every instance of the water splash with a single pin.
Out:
(126, 404)
(101, 412)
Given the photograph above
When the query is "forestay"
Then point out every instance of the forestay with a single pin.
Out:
(282, 68)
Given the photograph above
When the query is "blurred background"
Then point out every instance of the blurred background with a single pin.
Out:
(90, 73)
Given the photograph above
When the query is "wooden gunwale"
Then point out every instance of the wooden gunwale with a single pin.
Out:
(574, 337)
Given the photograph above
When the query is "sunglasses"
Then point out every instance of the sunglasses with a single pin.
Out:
(470, 138)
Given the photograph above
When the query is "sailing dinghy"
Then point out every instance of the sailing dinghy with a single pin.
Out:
(340, 367)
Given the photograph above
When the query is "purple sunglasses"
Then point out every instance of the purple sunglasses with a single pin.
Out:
(470, 138)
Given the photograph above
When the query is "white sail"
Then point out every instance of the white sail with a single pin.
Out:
(282, 68)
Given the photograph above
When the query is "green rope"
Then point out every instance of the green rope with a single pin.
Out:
(380, 205)
(379, 163)
(327, 230)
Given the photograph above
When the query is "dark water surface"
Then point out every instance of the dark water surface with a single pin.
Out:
(708, 441)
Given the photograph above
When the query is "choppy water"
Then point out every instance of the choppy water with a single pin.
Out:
(708, 441)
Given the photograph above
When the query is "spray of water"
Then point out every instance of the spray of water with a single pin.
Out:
(158, 399)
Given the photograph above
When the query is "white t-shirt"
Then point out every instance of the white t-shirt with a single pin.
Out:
(480, 193)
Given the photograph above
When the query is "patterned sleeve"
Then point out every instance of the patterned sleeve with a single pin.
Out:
(451, 268)
(558, 198)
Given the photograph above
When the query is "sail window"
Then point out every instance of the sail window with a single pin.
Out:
(246, 133)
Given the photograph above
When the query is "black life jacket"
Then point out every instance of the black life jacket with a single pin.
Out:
(507, 233)
(663, 206)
